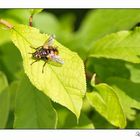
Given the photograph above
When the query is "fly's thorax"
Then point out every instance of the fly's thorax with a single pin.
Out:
(36, 55)
(41, 53)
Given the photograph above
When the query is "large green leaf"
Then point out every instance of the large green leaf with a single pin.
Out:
(8, 51)
(101, 22)
(123, 45)
(104, 21)
(4, 100)
(65, 84)
(128, 93)
(104, 99)
(33, 109)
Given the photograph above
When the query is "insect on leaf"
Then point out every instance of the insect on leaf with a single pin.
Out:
(64, 84)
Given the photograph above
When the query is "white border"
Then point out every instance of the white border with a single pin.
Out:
(69, 3)
(69, 134)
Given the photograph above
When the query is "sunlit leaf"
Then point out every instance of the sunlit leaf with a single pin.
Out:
(123, 45)
(128, 93)
(101, 22)
(64, 84)
(104, 99)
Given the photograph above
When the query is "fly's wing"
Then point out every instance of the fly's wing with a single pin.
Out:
(57, 59)
(49, 41)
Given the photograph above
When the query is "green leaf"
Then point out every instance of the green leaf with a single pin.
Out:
(123, 45)
(35, 11)
(41, 22)
(33, 109)
(61, 28)
(4, 36)
(4, 100)
(13, 16)
(66, 120)
(3, 82)
(100, 122)
(66, 84)
(101, 22)
(134, 70)
(128, 93)
(105, 68)
(13, 87)
(8, 51)
(67, 22)
(137, 122)
(104, 99)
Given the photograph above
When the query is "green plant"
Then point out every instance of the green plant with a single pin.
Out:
(97, 86)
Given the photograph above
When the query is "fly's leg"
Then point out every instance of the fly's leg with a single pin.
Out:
(44, 66)
(33, 62)
(35, 48)
(32, 47)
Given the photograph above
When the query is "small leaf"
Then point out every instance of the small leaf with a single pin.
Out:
(93, 80)
(105, 101)
(35, 11)
(123, 45)
(134, 70)
(128, 93)
(4, 100)
(66, 84)
(33, 109)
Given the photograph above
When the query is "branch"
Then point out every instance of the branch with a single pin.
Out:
(6, 23)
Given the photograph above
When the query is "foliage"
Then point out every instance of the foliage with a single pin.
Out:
(97, 86)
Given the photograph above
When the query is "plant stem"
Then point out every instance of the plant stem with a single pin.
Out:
(31, 21)
(6, 23)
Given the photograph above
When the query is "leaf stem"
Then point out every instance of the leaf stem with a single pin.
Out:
(6, 23)
(31, 21)
(88, 74)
